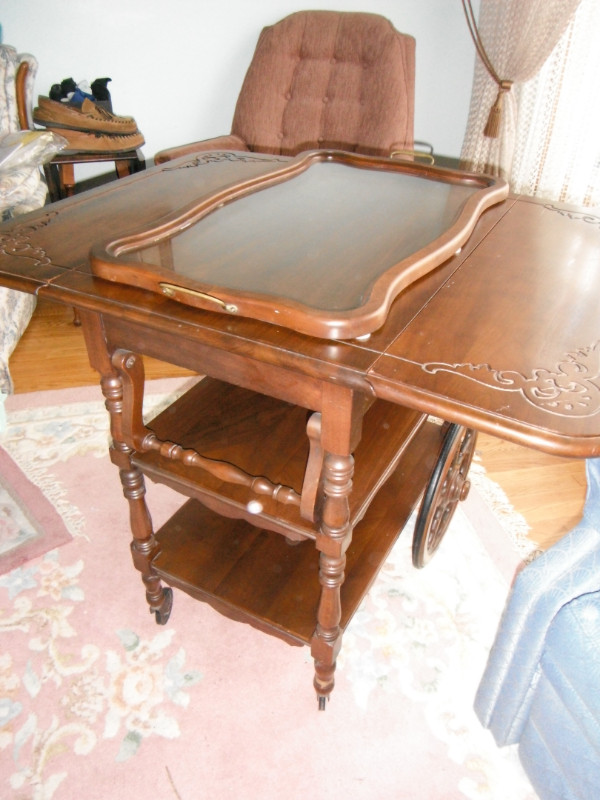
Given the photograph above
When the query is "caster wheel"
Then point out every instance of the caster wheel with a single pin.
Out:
(447, 485)
(163, 613)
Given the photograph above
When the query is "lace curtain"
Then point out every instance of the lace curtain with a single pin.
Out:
(557, 138)
(547, 49)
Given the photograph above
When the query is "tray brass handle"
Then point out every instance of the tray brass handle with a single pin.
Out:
(172, 290)
(413, 154)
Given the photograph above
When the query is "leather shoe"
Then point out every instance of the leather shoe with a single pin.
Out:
(97, 142)
(87, 117)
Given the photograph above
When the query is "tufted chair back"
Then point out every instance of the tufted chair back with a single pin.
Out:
(323, 79)
(328, 79)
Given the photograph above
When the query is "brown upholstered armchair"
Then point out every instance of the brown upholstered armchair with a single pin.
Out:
(323, 79)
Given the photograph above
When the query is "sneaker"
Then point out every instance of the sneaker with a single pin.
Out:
(74, 93)
(101, 94)
(87, 117)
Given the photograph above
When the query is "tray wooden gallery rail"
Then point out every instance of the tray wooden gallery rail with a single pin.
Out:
(279, 248)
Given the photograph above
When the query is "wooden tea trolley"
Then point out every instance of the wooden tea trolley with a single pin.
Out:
(339, 307)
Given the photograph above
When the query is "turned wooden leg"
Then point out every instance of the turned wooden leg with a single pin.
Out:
(144, 545)
(332, 542)
(111, 367)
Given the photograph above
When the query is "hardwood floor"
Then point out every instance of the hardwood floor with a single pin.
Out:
(52, 354)
(548, 491)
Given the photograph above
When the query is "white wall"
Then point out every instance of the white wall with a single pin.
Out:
(177, 65)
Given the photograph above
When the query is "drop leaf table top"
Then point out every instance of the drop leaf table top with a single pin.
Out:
(503, 336)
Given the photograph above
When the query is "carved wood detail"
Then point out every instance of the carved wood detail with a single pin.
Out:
(216, 156)
(582, 216)
(571, 389)
(17, 242)
(143, 440)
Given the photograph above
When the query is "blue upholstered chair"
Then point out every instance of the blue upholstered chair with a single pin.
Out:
(541, 687)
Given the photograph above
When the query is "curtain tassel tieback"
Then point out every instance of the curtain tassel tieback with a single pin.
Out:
(492, 128)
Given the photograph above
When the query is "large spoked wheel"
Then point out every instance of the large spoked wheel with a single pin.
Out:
(448, 484)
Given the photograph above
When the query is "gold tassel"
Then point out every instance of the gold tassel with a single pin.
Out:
(492, 128)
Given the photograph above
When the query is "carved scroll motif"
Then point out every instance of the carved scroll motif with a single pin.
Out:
(570, 390)
(17, 241)
(216, 156)
(583, 216)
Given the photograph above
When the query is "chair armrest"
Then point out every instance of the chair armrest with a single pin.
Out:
(230, 142)
(567, 570)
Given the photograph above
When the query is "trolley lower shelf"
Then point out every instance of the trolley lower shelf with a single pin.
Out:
(258, 577)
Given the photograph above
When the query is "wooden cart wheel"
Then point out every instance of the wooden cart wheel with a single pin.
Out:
(447, 485)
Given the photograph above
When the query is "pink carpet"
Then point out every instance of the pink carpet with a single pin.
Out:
(98, 702)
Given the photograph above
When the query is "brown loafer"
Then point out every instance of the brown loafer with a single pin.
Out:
(89, 117)
(97, 142)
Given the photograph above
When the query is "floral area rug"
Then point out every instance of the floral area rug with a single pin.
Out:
(98, 702)
(30, 525)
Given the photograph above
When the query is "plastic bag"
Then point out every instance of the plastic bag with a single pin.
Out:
(22, 155)
(28, 149)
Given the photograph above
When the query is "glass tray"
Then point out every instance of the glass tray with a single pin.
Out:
(323, 245)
